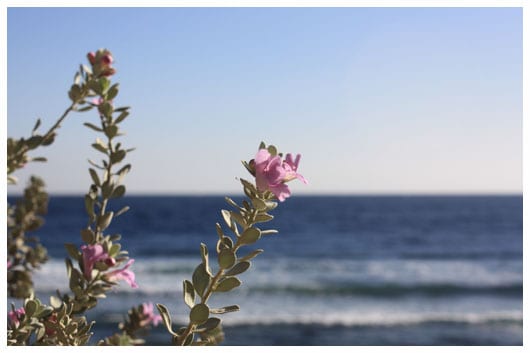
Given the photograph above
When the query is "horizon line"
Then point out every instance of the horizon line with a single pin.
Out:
(301, 194)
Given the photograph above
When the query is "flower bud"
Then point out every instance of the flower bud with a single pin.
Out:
(107, 59)
(91, 57)
(110, 262)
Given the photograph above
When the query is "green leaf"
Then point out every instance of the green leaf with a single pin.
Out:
(95, 165)
(122, 211)
(119, 191)
(93, 127)
(55, 302)
(37, 124)
(238, 218)
(30, 308)
(199, 314)
(115, 237)
(72, 251)
(272, 150)
(107, 188)
(251, 255)
(232, 203)
(204, 257)
(249, 194)
(247, 166)
(226, 217)
(224, 310)
(249, 186)
(124, 170)
(77, 77)
(226, 258)
(104, 84)
(75, 93)
(94, 176)
(210, 324)
(264, 217)
(121, 117)
(227, 284)
(99, 146)
(201, 279)
(219, 230)
(121, 109)
(117, 156)
(269, 231)
(69, 267)
(240, 267)
(113, 92)
(189, 339)
(111, 131)
(271, 205)
(224, 243)
(258, 204)
(250, 236)
(34, 141)
(166, 317)
(49, 140)
(114, 250)
(104, 221)
(189, 293)
(85, 108)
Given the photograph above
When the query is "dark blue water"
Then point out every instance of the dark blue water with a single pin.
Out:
(342, 271)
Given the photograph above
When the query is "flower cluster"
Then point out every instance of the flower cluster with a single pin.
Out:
(15, 316)
(272, 173)
(94, 267)
(95, 254)
(149, 316)
(101, 62)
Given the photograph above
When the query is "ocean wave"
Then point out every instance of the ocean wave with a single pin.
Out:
(373, 278)
(383, 319)
(381, 290)
(394, 290)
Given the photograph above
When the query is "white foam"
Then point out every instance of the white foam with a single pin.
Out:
(376, 318)
(164, 275)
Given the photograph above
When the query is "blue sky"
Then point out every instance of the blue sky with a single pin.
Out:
(377, 100)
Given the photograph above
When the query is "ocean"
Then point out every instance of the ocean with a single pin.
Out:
(343, 270)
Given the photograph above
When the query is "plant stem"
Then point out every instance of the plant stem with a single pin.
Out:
(46, 136)
(58, 123)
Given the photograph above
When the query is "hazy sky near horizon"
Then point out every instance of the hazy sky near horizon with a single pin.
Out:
(377, 100)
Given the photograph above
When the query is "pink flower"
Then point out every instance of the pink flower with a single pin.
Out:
(272, 173)
(91, 255)
(148, 310)
(291, 168)
(124, 274)
(16, 316)
(97, 101)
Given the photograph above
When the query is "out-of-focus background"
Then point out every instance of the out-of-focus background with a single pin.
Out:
(409, 124)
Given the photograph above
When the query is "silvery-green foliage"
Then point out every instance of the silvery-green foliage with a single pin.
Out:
(93, 267)
(25, 253)
(136, 325)
(62, 322)
(107, 184)
(239, 230)
(48, 325)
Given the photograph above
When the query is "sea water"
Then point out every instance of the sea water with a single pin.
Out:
(343, 270)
